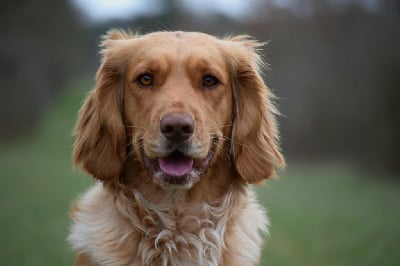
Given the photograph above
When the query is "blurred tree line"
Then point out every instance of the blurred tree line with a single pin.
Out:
(41, 44)
(336, 69)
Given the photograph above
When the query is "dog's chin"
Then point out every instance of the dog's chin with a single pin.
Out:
(177, 171)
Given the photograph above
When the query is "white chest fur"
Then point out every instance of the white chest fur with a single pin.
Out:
(118, 230)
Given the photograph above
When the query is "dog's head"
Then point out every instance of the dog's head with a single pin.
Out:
(178, 103)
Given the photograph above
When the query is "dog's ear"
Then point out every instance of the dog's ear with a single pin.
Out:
(100, 145)
(255, 140)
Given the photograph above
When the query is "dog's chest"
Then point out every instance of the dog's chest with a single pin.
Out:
(126, 232)
(174, 238)
(173, 235)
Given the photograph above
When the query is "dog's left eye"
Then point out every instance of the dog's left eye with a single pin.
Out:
(209, 81)
(145, 80)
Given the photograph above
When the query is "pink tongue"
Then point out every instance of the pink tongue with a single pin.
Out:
(176, 164)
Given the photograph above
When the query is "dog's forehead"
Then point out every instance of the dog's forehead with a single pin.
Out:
(191, 48)
(182, 43)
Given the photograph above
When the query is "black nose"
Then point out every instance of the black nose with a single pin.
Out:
(177, 127)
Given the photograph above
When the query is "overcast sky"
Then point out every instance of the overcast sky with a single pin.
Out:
(108, 9)
(101, 10)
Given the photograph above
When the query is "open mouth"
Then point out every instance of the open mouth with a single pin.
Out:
(176, 164)
(177, 169)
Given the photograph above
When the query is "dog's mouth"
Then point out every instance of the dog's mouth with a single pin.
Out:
(178, 169)
(176, 164)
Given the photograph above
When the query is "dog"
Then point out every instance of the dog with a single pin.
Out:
(178, 127)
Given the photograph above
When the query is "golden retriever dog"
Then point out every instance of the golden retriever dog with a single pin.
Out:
(178, 127)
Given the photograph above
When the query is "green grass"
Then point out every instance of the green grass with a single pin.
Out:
(37, 186)
(331, 215)
(321, 215)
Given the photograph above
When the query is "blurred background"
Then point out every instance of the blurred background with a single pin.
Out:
(334, 64)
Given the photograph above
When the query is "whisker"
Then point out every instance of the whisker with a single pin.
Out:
(135, 144)
(229, 125)
(224, 150)
(238, 143)
(135, 127)
(230, 139)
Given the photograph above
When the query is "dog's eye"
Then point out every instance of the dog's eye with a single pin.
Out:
(145, 80)
(210, 81)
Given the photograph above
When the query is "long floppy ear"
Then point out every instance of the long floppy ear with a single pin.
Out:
(255, 135)
(100, 145)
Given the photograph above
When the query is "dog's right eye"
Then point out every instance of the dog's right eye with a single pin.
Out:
(145, 80)
(209, 81)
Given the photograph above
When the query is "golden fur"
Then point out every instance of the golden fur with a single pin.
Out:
(138, 213)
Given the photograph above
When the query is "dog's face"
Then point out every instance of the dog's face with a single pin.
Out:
(178, 102)
(178, 105)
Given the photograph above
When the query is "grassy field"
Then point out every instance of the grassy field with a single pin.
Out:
(321, 214)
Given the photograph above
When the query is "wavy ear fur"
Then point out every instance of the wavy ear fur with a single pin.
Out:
(100, 133)
(255, 144)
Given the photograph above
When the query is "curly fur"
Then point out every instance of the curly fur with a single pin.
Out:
(171, 233)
